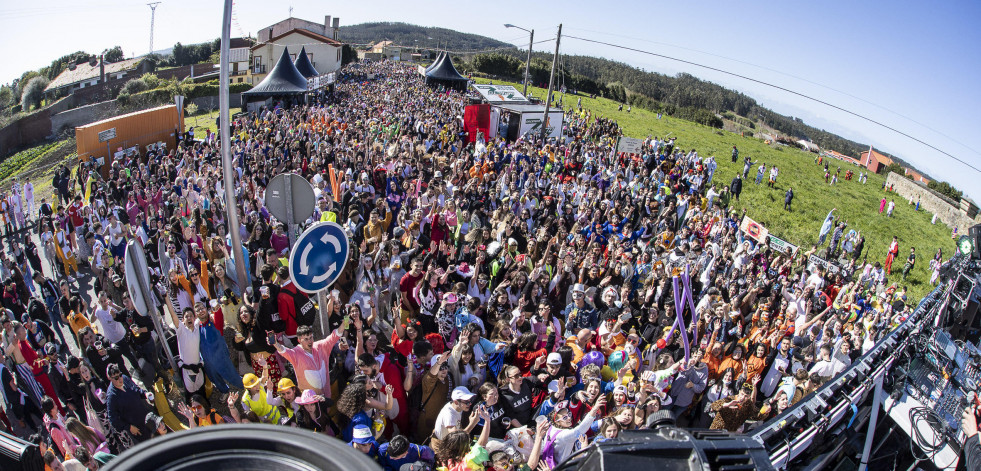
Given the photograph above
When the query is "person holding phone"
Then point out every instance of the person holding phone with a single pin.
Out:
(253, 339)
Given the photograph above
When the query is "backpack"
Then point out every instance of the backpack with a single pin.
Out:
(303, 308)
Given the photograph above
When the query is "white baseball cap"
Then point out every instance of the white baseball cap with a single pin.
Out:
(554, 359)
(461, 393)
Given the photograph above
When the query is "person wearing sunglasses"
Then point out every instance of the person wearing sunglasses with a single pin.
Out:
(127, 405)
(199, 413)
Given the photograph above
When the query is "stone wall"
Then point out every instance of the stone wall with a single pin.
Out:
(26, 131)
(947, 211)
(69, 120)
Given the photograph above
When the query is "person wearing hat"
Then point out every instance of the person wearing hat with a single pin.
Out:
(156, 425)
(578, 314)
(39, 334)
(285, 398)
(399, 452)
(364, 441)
(732, 412)
(312, 414)
(451, 415)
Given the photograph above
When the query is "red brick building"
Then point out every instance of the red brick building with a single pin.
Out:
(874, 161)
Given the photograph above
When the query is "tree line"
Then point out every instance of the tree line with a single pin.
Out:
(683, 95)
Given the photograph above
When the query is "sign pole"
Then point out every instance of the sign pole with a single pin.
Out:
(228, 179)
(136, 265)
(324, 315)
(551, 77)
(291, 228)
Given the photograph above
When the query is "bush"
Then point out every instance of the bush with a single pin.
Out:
(133, 86)
(945, 189)
(33, 92)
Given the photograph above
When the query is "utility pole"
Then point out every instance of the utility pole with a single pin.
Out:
(227, 169)
(531, 41)
(551, 77)
(153, 14)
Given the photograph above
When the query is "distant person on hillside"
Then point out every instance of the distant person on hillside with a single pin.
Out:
(910, 262)
(760, 171)
(735, 154)
(748, 164)
(826, 226)
(882, 205)
(789, 198)
(892, 206)
(774, 172)
(710, 167)
(891, 254)
(736, 187)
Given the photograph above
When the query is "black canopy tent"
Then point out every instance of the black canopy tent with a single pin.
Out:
(303, 65)
(439, 57)
(442, 72)
(283, 82)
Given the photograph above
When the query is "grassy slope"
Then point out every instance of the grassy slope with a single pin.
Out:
(857, 204)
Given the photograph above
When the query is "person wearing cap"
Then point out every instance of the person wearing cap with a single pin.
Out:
(399, 452)
(39, 334)
(156, 425)
(255, 399)
(451, 416)
(285, 398)
(58, 373)
(578, 314)
(364, 441)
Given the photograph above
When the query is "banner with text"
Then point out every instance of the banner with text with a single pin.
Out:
(754, 229)
(782, 246)
(499, 93)
(630, 145)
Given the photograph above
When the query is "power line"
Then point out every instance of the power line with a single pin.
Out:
(778, 87)
(976, 151)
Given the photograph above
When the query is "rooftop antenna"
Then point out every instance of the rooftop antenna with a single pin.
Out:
(291, 11)
(153, 13)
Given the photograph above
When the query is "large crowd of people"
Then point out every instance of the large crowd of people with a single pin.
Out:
(505, 304)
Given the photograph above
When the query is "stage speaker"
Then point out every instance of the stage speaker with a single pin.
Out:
(669, 448)
(252, 447)
(975, 233)
(18, 455)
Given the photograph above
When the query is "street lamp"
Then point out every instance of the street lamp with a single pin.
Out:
(531, 41)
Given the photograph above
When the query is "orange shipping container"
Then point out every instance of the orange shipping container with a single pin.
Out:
(140, 129)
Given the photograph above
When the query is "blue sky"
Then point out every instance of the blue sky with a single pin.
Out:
(917, 59)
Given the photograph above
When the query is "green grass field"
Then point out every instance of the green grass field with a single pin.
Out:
(857, 204)
(201, 121)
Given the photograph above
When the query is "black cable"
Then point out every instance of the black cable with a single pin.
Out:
(935, 422)
(778, 87)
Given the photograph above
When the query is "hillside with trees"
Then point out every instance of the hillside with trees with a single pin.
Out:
(415, 36)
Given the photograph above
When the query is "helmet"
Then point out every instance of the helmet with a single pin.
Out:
(250, 380)
(285, 384)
